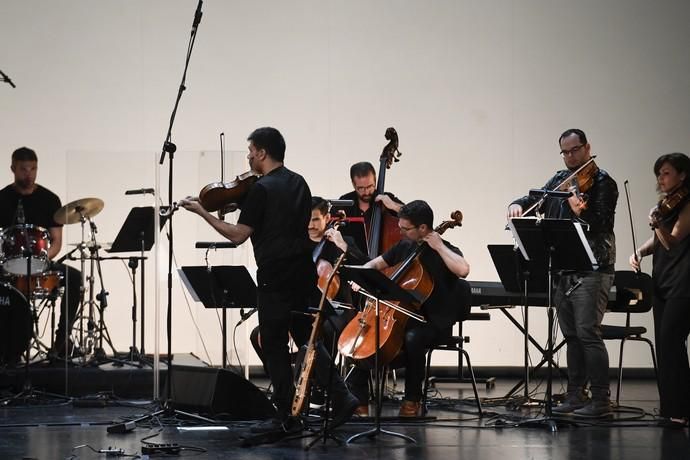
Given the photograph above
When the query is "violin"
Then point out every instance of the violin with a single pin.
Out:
(227, 197)
(581, 179)
(358, 338)
(669, 203)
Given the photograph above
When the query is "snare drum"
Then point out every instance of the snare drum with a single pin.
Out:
(15, 324)
(40, 286)
(23, 242)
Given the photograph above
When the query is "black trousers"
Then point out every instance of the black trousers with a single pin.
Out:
(671, 329)
(281, 314)
(71, 299)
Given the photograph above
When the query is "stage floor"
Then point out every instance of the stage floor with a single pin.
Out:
(54, 430)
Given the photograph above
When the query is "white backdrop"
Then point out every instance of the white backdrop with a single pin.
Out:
(478, 92)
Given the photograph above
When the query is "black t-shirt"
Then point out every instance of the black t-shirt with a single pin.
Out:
(39, 207)
(441, 308)
(278, 208)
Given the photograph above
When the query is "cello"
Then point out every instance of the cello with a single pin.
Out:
(383, 229)
(358, 338)
(324, 268)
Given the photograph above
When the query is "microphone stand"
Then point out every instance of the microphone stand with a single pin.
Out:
(170, 148)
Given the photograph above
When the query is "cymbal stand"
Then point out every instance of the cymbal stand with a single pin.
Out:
(102, 298)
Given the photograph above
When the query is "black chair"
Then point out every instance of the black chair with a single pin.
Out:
(633, 295)
(456, 344)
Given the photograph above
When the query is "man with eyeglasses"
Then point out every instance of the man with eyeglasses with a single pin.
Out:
(449, 300)
(363, 177)
(581, 297)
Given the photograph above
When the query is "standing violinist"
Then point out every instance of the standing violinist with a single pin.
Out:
(670, 248)
(275, 215)
(363, 177)
(581, 297)
(449, 301)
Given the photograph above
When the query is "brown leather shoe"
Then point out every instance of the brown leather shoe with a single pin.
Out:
(410, 408)
(362, 411)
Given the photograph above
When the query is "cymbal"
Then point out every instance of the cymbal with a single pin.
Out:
(71, 213)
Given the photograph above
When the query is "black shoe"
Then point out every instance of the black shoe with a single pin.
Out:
(343, 410)
(572, 403)
(58, 351)
(669, 423)
(595, 408)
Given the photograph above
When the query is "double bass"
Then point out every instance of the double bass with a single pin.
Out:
(383, 228)
(358, 339)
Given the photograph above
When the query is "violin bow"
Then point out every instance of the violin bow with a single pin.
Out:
(632, 227)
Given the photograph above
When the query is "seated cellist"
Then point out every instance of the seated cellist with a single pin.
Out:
(448, 301)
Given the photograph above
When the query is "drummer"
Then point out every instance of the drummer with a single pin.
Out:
(26, 203)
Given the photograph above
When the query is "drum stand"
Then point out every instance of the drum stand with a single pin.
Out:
(47, 302)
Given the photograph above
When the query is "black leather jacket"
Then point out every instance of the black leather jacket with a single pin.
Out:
(599, 215)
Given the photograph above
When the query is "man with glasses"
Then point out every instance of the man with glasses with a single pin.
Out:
(449, 300)
(363, 177)
(581, 297)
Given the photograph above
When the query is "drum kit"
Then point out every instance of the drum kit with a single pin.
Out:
(29, 285)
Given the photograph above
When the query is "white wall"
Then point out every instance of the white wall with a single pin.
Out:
(478, 92)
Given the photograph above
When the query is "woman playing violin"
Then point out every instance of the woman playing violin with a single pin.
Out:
(670, 248)
(580, 311)
(445, 265)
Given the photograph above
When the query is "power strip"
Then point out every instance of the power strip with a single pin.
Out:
(161, 449)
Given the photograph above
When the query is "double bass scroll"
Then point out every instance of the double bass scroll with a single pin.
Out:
(383, 229)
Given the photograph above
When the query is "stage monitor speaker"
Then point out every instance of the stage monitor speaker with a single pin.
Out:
(216, 391)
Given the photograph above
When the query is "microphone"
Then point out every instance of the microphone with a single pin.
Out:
(245, 316)
(215, 245)
(197, 15)
(140, 191)
(7, 79)
(341, 203)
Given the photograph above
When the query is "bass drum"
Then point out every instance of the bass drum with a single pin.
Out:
(15, 325)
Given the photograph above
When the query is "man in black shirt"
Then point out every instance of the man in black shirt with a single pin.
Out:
(26, 203)
(363, 177)
(449, 300)
(275, 215)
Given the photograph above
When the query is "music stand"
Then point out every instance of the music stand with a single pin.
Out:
(379, 287)
(527, 278)
(136, 235)
(558, 244)
(225, 286)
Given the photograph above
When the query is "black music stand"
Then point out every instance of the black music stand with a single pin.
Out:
(527, 278)
(136, 235)
(380, 287)
(225, 286)
(558, 244)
